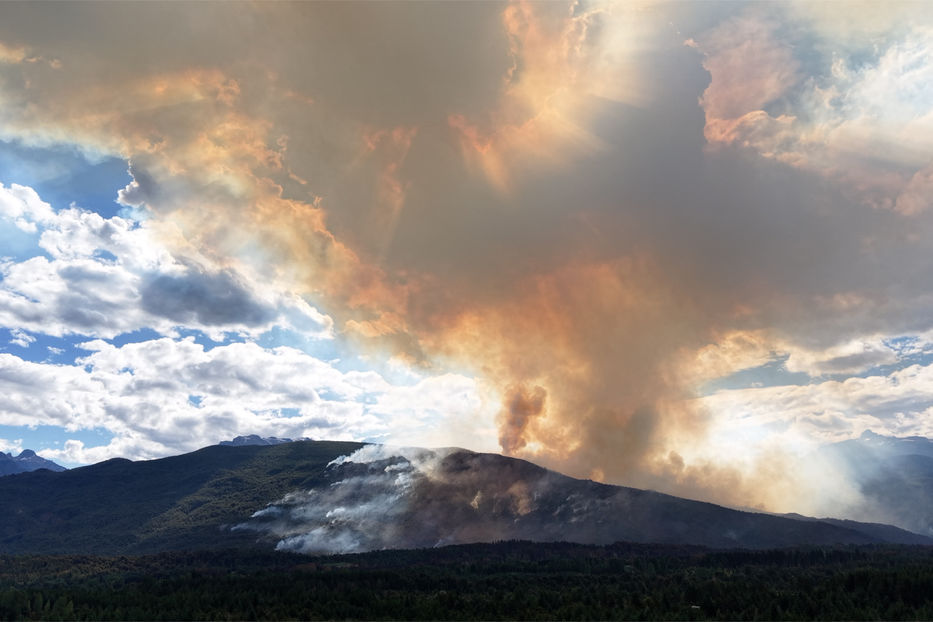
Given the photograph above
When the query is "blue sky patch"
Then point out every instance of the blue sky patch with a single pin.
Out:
(17, 244)
(43, 437)
(774, 373)
(205, 341)
(63, 175)
(136, 336)
(40, 348)
(324, 349)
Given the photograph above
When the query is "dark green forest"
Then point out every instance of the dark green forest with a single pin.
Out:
(506, 580)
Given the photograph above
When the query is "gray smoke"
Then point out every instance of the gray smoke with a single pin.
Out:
(358, 510)
(382, 497)
(894, 477)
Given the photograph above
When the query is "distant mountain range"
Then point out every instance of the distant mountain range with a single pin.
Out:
(255, 439)
(894, 476)
(25, 462)
(319, 496)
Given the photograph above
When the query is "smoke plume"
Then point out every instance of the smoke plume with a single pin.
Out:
(589, 211)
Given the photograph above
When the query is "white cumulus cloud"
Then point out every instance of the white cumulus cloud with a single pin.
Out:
(102, 277)
(165, 396)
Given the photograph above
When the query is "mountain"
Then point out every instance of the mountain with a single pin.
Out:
(181, 502)
(388, 498)
(255, 439)
(26, 461)
(318, 496)
(894, 476)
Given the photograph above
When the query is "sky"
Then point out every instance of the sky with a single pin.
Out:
(670, 245)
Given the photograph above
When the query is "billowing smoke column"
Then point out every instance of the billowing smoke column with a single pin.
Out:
(520, 407)
(578, 212)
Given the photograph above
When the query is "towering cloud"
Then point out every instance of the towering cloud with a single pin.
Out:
(596, 209)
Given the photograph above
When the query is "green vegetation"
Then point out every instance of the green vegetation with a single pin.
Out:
(180, 502)
(509, 580)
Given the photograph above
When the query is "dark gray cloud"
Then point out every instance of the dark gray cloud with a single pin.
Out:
(201, 297)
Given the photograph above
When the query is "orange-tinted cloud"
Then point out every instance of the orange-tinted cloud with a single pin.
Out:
(864, 124)
(544, 93)
(486, 207)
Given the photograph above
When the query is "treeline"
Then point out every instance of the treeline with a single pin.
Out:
(509, 580)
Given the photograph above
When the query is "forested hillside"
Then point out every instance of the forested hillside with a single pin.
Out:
(301, 499)
(510, 580)
(173, 503)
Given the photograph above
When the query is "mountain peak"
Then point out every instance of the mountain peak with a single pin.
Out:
(26, 461)
(255, 439)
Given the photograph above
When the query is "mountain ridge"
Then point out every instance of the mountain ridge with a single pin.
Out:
(255, 439)
(345, 497)
(25, 462)
(894, 476)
